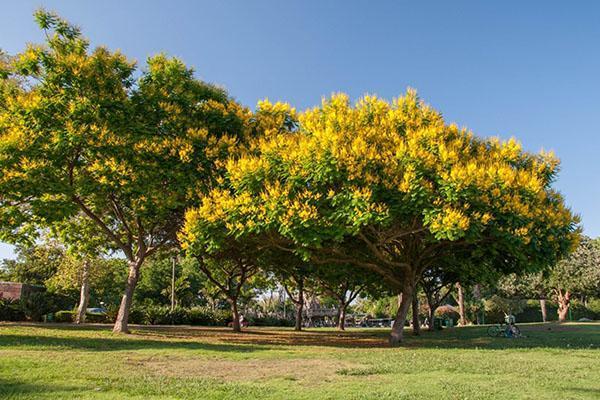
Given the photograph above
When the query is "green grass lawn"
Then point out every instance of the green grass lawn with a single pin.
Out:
(65, 362)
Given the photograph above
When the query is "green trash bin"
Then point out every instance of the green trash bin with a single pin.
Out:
(438, 324)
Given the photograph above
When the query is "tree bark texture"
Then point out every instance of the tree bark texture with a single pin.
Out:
(415, 315)
(122, 321)
(544, 310)
(461, 304)
(397, 334)
(84, 294)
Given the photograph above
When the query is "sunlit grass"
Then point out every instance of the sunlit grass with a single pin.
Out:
(59, 361)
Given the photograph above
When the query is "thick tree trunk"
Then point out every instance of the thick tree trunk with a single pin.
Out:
(299, 305)
(564, 302)
(236, 316)
(121, 324)
(543, 309)
(341, 323)
(84, 294)
(415, 315)
(461, 304)
(397, 333)
(337, 316)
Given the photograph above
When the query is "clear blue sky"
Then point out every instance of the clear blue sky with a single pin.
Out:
(511, 68)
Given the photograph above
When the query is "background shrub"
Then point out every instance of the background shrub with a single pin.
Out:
(37, 304)
(208, 317)
(64, 316)
(69, 316)
(11, 310)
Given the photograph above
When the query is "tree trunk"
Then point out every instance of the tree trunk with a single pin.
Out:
(564, 302)
(430, 311)
(337, 316)
(121, 324)
(341, 323)
(461, 304)
(477, 297)
(84, 294)
(397, 333)
(543, 308)
(236, 316)
(299, 311)
(415, 315)
(431, 316)
(299, 305)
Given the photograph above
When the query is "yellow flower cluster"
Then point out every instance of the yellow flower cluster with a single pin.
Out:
(271, 119)
(450, 220)
(398, 157)
(110, 171)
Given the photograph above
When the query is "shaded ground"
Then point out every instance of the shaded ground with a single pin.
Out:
(64, 361)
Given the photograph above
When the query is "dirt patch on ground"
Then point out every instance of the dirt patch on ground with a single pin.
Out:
(266, 336)
(306, 370)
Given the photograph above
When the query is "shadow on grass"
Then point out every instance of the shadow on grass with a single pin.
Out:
(549, 335)
(11, 388)
(576, 336)
(130, 342)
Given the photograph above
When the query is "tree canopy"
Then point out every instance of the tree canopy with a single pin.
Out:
(394, 189)
(577, 274)
(80, 134)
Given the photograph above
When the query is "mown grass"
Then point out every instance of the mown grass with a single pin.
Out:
(67, 362)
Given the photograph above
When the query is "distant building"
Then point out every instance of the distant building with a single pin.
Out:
(16, 290)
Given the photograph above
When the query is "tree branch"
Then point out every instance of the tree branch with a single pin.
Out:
(127, 250)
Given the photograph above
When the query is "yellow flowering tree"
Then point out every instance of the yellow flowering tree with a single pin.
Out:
(80, 134)
(232, 262)
(392, 188)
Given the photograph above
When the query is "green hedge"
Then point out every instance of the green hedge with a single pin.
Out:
(69, 316)
(533, 313)
(578, 311)
(150, 315)
(208, 317)
(162, 315)
(32, 307)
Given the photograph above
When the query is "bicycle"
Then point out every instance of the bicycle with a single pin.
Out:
(504, 330)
